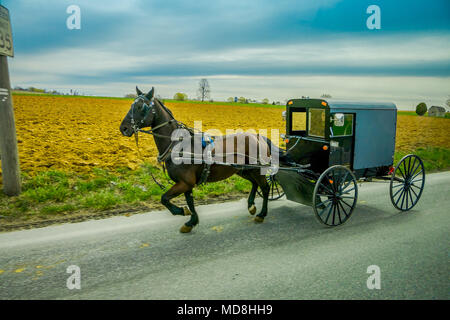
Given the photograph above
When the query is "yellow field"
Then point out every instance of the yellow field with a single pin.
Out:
(76, 134)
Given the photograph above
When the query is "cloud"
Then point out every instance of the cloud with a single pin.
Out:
(202, 24)
(405, 92)
(390, 55)
(239, 44)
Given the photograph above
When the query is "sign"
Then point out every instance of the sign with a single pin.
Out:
(6, 42)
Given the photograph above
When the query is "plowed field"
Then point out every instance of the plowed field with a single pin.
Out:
(79, 133)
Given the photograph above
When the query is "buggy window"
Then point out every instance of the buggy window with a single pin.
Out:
(341, 124)
(298, 121)
(316, 125)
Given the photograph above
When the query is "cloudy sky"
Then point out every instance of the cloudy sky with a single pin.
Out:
(257, 49)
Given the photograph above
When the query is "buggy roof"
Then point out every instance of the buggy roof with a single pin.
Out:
(336, 104)
(339, 104)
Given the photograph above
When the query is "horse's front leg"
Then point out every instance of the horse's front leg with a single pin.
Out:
(265, 188)
(187, 227)
(177, 189)
(251, 199)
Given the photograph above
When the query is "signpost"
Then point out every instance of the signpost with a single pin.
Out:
(8, 140)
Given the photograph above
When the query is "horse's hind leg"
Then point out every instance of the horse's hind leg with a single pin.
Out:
(177, 189)
(187, 227)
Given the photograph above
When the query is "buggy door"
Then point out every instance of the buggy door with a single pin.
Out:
(341, 139)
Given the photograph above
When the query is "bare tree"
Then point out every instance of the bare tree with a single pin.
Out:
(203, 89)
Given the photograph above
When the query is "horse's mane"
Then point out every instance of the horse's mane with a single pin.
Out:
(165, 108)
(191, 130)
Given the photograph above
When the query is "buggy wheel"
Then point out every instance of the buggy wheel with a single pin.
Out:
(275, 189)
(335, 195)
(407, 182)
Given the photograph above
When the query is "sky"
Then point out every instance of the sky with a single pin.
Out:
(256, 49)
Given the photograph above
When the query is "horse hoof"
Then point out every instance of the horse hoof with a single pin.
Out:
(258, 219)
(252, 209)
(185, 229)
(186, 211)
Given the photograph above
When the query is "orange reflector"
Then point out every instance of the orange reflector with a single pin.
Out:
(287, 140)
(290, 102)
(325, 147)
(331, 181)
(324, 103)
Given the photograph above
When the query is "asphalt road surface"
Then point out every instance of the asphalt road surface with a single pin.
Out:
(228, 256)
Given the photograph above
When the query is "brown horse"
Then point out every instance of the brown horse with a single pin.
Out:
(147, 111)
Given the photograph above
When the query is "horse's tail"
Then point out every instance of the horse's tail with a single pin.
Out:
(283, 156)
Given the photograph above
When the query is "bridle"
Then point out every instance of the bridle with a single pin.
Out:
(146, 111)
(149, 107)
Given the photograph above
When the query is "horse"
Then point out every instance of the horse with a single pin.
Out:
(147, 111)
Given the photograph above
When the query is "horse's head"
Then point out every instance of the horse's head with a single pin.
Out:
(140, 115)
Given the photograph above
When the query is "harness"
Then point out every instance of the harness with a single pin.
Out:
(148, 106)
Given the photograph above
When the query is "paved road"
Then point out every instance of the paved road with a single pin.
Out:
(289, 256)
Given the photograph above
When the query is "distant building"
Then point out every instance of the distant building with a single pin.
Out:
(436, 111)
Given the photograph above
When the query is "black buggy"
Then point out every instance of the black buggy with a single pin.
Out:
(333, 145)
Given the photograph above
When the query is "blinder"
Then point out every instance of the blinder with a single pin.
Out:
(147, 106)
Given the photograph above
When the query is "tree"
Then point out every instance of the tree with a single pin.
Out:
(421, 109)
(203, 90)
(326, 95)
(448, 102)
(230, 99)
(131, 95)
(242, 100)
(179, 96)
(265, 101)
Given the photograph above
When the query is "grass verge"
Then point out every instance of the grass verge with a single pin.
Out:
(52, 194)
(25, 93)
(434, 158)
(48, 194)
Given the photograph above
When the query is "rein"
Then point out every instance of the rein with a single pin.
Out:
(136, 130)
(147, 110)
(161, 157)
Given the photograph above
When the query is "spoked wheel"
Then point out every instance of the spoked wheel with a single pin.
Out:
(407, 182)
(335, 196)
(275, 191)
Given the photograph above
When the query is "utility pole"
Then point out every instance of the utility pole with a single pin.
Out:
(8, 139)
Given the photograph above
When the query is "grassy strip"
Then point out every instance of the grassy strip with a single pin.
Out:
(413, 113)
(406, 113)
(434, 158)
(55, 193)
(221, 103)
(52, 192)
(25, 93)
(226, 103)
